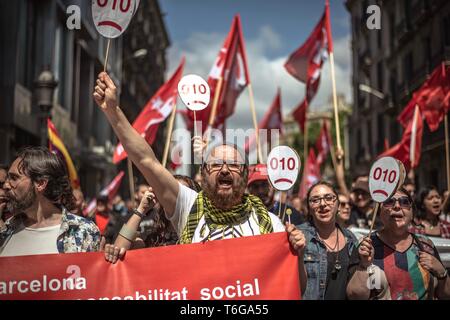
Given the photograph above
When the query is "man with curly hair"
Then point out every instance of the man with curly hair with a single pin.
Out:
(39, 194)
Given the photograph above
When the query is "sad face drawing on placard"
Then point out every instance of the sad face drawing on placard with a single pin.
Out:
(112, 17)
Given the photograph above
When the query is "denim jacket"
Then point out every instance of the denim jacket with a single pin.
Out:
(315, 260)
(76, 234)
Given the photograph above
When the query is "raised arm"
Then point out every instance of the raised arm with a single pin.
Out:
(141, 154)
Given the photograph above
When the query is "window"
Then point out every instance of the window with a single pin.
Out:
(408, 67)
(391, 31)
(25, 45)
(393, 86)
(380, 133)
(60, 64)
(380, 76)
(446, 30)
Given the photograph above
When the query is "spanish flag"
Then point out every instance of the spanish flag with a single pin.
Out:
(56, 145)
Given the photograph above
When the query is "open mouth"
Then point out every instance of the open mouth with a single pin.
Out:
(396, 216)
(225, 182)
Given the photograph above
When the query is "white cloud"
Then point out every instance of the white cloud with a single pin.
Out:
(266, 74)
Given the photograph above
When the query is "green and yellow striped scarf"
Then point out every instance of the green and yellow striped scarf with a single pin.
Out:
(219, 219)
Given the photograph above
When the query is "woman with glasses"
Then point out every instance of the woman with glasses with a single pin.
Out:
(343, 215)
(330, 250)
(405, 266)
(428, 220)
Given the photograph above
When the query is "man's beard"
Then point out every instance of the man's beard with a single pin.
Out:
(19, 205)
(224, 201)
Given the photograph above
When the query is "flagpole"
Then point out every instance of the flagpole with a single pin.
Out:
(169, 133)
(107, 54)
(212, 115)
(131, 179)
(335, 106)
(412, 147)
(305, 139)
(446, 152)
(255, 123)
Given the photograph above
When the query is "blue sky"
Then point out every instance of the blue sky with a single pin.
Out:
(272, 30)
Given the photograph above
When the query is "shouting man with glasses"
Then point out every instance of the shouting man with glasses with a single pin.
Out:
(222, 210)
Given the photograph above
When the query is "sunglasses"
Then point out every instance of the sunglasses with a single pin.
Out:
(402, 201)
(328, 198)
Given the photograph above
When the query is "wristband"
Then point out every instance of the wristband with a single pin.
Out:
(136, 212)
(127, 233)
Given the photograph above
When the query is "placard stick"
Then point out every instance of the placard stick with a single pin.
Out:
(446, 152)
(305, 140)
(131, 179)
(212, 115)
(279, 207)
(255, 123)
(107, 54)
(375, 211)
(169, 134)
(195, 123)
(335, 106)
(284, 209)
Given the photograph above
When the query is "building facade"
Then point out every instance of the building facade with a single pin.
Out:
(34, 36)
(393, 62)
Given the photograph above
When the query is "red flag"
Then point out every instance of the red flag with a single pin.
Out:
(433, 98)
(155, 111)
(323, 144)
(408, 150)
(303, 63)
(231, 66)
(306, 63)
(110, 190)
(311, 174)
(299, 114)
(272, 120)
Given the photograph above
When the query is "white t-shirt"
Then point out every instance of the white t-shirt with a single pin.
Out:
(185, 201)
(29, 241)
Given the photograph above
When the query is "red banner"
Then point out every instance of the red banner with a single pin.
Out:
(253, 268)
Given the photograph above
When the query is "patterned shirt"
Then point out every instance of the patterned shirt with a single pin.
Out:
(444, 227)
(406, 278)
(76, 233)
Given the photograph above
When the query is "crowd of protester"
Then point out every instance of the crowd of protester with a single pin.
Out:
(41, 214)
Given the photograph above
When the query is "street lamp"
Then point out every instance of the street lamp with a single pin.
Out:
(44, 88)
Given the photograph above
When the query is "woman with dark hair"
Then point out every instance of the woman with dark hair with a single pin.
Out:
(397, 264)
(161, 234)
(330, 249)
(39, 194)
(427, 220)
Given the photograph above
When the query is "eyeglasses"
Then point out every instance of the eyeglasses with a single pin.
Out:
(344, 204)
(402, 201)
(218, 165)
(328, 198)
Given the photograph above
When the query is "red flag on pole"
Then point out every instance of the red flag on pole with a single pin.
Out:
(323, 144)
(231, 66)
(110, 190)
(311, 174)
(155, 111)
(273, 119)
(408, 150)
(306, 62)
(433, 99)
